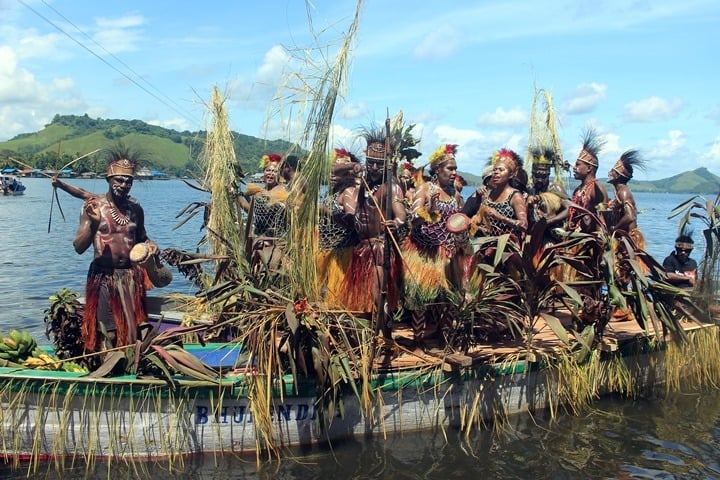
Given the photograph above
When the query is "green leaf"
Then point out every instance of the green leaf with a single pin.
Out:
(556, 326)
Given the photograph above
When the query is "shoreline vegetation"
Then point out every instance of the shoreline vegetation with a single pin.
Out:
(513, 319)
(171, 154)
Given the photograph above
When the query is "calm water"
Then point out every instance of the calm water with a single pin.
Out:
(678, 437)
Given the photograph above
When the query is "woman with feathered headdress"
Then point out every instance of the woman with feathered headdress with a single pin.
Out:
(434, 251)
(336, 238)
(503, 209)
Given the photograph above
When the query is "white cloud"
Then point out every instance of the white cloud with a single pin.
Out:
(257, 91)
(612, 148)
(353, 111)
(514, 117)
(439, 43)
(670, 147)
(343, 137)
(179, 124)
(651, 109)
(27, 104)
(118, 34)
(713, 154)
(16, 84)
(584, 98)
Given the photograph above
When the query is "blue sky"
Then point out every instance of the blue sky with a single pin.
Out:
(644, 74)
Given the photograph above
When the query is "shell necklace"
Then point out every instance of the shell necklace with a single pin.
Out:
(120, 218)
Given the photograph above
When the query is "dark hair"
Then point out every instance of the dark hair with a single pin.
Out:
(293, 161)
(684, 239)
(520, 180)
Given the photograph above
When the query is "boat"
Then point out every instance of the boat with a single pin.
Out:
(269, 370)
(11, 185)
(67, 416)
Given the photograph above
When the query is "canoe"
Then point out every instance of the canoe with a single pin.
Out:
(59, 415)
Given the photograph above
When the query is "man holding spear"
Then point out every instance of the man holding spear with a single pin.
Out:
(372, 208)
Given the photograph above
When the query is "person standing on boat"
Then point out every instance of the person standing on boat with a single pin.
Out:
(546, 199)
(681, 269)
(113, 224)
(364, 208)
(269, 216)
(434, 254)
(591, 193)
(335, 238)
(624, 211)
(503, 210)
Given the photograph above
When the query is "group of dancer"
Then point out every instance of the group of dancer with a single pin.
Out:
(401, 238)
(391, 239)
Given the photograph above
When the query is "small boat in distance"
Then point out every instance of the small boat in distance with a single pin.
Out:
(11, 185)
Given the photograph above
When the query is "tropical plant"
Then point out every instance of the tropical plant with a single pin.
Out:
(63, 326)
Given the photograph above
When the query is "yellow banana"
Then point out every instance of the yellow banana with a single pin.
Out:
(10, 342)
(34, 362)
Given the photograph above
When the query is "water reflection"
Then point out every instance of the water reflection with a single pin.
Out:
(673, 437)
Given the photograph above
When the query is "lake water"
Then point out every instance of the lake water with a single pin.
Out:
(676, 437)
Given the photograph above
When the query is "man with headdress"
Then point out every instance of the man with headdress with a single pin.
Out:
(113, 224)
(547, 199)
(624, 211)
(364, 208)
(591, 193)
(681, 269)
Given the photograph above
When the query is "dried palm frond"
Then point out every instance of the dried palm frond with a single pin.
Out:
(221, 176)
(544, 134)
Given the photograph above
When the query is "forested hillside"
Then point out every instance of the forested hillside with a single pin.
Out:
(176, 153)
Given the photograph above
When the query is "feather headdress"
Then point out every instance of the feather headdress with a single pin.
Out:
(628, 161)
(269, 158)
(442, 154)
(592, 144)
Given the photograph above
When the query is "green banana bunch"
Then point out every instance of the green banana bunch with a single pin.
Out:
(16, 346)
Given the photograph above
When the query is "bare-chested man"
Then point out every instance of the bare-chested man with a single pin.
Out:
(113, 224)
(591, 193)
(623, 205)
(364, 209)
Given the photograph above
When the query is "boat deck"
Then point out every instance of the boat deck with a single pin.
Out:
(405, 355)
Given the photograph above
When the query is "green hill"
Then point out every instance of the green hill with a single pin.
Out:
(699, 181)
(68, 137)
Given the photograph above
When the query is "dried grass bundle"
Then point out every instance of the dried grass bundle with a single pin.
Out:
(323, 96)
(543, 132)
(219, 164)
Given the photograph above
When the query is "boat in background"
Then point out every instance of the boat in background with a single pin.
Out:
(11, 185)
